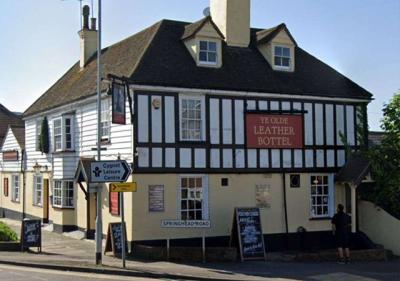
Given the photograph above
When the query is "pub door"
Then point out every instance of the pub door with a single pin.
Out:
(46, 200)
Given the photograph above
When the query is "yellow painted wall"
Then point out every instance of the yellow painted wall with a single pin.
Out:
(6, 202)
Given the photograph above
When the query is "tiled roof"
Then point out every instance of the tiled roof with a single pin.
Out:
(19, 133)
(158, 57)
(8, 118)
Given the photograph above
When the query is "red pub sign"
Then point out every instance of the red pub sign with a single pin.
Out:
(274, 131)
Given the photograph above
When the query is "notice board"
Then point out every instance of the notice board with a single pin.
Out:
(114, 238)
(247, 233)
(31, 234)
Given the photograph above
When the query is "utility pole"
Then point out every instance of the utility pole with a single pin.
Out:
(99, 224)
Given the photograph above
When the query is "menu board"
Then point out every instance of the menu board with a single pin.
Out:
(31, 234)
(247, 231)
(114, 238)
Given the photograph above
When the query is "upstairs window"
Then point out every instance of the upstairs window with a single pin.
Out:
(38, 131)
(282, 57)
(63, 133)
(192, 118)
(208, 52)
(105, 120)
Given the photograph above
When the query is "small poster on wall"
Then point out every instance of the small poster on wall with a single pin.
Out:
(118, 103)
(263, 196)
(156, 198)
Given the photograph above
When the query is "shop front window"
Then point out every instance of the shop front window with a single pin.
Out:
(321, 196)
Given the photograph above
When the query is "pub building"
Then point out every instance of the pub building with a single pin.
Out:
(218, 115)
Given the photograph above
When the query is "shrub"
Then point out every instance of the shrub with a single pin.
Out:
(6, 233)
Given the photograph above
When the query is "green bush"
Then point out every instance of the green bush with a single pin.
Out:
(6, 233)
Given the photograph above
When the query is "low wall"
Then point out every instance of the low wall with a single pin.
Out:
(381, 227)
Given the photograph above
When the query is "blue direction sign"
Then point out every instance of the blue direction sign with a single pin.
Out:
(110, 171)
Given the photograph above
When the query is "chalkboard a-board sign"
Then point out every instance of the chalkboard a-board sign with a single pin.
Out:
(114, 239)
(31, 234)
(247, 233)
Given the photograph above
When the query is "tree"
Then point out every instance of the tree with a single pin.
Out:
(44, 136)
(385, 161)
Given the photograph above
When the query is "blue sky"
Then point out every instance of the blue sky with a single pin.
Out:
(359, 38)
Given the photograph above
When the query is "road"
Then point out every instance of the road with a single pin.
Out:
(18, 273)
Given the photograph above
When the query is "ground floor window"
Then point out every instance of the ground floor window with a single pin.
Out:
(193, 192)
(38, 190)
(322, 201)
(15, 188)
(63, 194)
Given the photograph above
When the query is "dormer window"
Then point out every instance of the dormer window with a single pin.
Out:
(208, 52)
(282, 57)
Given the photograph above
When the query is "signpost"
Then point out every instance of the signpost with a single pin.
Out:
(109, 171)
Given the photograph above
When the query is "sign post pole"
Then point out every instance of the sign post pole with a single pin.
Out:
(204, 246)
(121, 200)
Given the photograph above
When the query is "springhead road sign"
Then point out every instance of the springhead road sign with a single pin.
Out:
(110, 171)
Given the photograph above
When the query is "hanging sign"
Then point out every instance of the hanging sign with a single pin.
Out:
(10, 155)
(247, 233)
(31, 234)
(118, 103)
(274, 130)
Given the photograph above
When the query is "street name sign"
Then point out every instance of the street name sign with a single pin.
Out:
(185, 224)
(109, 171)
(123, 187)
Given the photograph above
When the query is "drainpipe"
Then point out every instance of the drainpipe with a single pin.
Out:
(23, 182)
(285, 209)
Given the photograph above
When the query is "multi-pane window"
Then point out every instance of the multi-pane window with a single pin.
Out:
(57, 129)
(15, 188)
(191, 189)
(191, 119)
(38, 131)
(105, 119)
(38, 190)
(63, 194)
(320, 196)
(63, 133)
(282, 56)
(208, 52)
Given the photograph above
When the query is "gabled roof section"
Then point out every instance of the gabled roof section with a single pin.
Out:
(119, 59)
(19, 134)
(193, 28)
(8, 118)
(266, 35)
(354, 171)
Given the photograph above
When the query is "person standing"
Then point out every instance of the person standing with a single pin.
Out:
(340, 227)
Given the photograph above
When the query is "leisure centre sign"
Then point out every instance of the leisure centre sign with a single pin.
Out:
(274, 131)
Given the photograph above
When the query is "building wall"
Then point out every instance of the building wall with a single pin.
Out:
(11, 144)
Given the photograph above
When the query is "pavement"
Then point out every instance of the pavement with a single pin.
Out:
(67, 253)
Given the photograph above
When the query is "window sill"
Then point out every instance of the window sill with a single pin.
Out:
(37, 205)
(63, 208)
(64, 151)
(320, 219)
(15, 201)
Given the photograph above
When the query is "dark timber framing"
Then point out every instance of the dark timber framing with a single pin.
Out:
(232, 144)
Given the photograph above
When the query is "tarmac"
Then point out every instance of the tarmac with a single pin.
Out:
(70, 252)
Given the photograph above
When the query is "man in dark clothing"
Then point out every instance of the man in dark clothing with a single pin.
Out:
(340, 226)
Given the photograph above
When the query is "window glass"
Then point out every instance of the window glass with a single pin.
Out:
(38, 131)
(63, 194)
(68, 134)
(37, 190)
(15, 188)
(105, 119)
(191, 119)
(191, 205)
(282, 56)
(208, 52)
(57, 134)
(320, 197)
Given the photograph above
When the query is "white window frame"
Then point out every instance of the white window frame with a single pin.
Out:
(63, 134)
(60, 194)
(207, 62)
(105, 119)
(205, 197)
(330, 194)
(15, 188)
(38, 131)
(282, 56)
(38, 189)
(200, 98)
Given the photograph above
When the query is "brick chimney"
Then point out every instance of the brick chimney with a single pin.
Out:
(88, 37)
(233, 19)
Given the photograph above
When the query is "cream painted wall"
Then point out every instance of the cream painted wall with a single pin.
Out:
(222, 201)
(6, 202)
(381, 227)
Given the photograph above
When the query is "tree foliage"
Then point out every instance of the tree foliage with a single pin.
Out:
(385, 161)
(44, 136)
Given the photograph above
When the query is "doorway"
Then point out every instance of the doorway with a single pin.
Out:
(46, 201)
